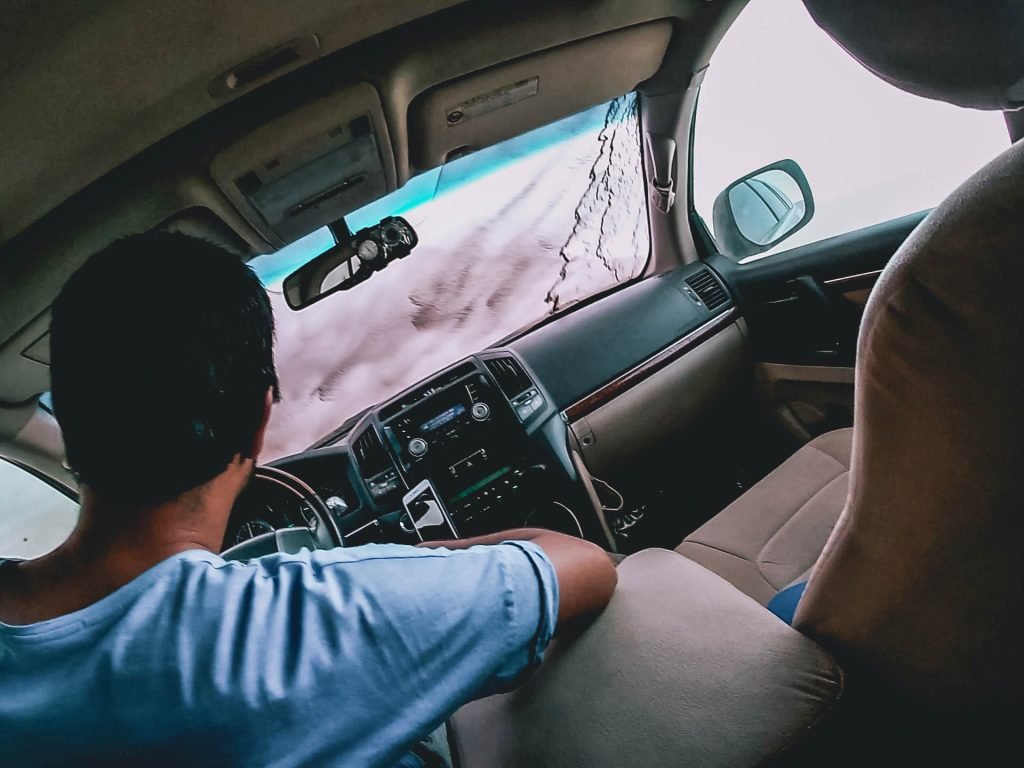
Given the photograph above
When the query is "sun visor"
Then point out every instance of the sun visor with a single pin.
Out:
(310, 167)
(494, 104)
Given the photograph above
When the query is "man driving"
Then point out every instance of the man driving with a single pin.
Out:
(135, 642)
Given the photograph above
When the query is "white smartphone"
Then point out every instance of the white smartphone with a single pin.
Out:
(426, 515)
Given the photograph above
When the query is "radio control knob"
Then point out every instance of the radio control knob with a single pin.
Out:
(417, 447)
(481, 411)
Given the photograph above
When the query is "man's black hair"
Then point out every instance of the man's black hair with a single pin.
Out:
(161, 351)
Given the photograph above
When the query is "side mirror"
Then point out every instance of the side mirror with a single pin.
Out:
(762, 209)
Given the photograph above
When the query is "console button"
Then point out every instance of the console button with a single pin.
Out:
(481, 411)
(417, 447)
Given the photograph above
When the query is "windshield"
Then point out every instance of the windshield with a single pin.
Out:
(507, 236)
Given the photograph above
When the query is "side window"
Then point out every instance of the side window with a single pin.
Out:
(779, 88)
(34, 516)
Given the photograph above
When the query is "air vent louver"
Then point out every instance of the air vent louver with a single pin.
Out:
(509, 374)
(707, 289)
(439, 382)
(370, 454)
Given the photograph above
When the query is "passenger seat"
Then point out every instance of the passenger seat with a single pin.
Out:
(771, 536)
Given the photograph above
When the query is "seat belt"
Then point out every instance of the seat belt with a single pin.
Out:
(661, 151)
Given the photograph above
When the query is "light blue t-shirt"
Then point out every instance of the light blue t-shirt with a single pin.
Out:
(332, 658)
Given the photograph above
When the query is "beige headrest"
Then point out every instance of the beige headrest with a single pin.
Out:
(967, 53)
(922, 581)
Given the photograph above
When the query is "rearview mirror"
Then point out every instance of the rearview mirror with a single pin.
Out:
(354, 259)
(762, 209)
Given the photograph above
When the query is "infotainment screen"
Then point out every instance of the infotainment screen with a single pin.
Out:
(445, 417)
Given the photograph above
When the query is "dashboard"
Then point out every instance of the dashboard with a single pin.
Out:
(495, 433)
(484, 431)
(475, 431)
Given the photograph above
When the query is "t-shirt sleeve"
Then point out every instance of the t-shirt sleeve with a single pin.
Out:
(478, 618)
(394, 639)
(532, 614)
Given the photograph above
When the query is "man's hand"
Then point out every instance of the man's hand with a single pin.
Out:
(586, 575)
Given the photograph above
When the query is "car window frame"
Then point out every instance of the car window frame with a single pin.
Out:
(37, 473)
(70, 494)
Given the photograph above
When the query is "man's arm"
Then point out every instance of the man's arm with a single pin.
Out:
(586, 575)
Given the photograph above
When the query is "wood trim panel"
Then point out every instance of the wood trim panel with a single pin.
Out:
(854, 282)
(650, 366)
(821, 374)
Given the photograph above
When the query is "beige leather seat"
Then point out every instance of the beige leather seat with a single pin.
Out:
(919, 591)
(772, 535)
(679, 670)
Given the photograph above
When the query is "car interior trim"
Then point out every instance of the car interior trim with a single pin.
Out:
(853, 282)
(642, 420)
(652, 365)
(588, 485)
(828, 374)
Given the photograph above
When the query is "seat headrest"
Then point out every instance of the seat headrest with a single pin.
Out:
(966, 53)
(922, 581)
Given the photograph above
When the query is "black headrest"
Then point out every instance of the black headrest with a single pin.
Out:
(967, 52)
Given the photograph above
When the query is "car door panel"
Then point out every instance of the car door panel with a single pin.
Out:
(808, 400)
(804, 309)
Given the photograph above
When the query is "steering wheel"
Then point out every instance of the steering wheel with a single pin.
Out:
(323, 534)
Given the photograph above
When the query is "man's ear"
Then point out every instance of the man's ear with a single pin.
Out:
(261, 432)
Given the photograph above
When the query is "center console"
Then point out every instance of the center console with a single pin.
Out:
(468, 440)
(477, 448)
(476, 431)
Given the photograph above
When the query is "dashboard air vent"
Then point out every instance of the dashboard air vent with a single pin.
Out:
(509, 375)
(370, 453)
(707, 289)
(422, 393)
